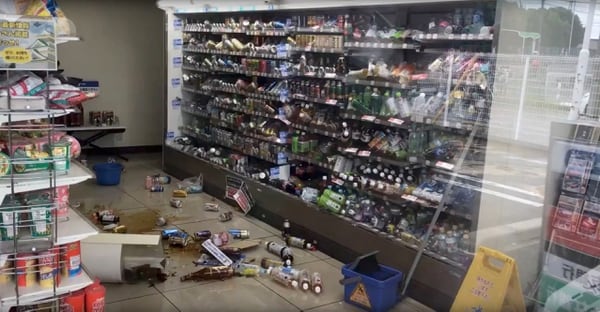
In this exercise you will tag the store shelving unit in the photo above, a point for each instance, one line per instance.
(343, 236)
(42, 231)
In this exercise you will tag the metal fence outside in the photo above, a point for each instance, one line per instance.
(531, 91)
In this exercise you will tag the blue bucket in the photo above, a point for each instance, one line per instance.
(108, 173)
(376, 292)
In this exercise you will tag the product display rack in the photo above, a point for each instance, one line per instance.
(570, 252)
(281, 87)
(36, 227)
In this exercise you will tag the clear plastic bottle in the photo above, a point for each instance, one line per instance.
(281, 277)
(419, 104)
(316, 283)
(402, 106)
(304, 280)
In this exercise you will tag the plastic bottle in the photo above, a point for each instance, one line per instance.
(298, 242)
(419, 104)
(248, 270)
(286, 228)
(402, 105)
(266, 263)
(434, 103)
(376, 102)
(390, 104)
(284, 252)
(317, 285)
(304, 280)
(282, 278)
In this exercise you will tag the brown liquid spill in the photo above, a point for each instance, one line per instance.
(139, 222)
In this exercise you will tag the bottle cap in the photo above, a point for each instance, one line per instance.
(305, 286)
(294, 283)
(317, 289)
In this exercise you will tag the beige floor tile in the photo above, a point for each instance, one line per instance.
(120, 292)
(154, 303)
(337, 264)
(332, 290)
(236, 294)
(336, 306)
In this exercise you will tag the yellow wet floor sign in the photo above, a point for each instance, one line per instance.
(491, 285)
(359, 295)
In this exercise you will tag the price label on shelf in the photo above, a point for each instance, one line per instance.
(177, 61)
(177, 24)
(170, 134)
(412, 198)
(337, 181)
(364, 153)
(177, 43)
(176, 103)
(451, 36)
(284, 120)
(396, 121)
(331, 102)
(368, 118)
(175, 82)
(351, 150)
(413, 159)
(444, 165)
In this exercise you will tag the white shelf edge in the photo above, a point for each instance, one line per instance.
(77, 174)
(35, 293)
(77, 228)
(25, 115)
(65, 39)
(123, 239)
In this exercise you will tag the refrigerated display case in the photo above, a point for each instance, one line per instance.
(364, 126)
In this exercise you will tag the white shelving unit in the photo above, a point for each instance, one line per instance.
(36, 293)
(28, 115)
(34, 181)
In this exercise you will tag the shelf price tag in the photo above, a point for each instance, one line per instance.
(177, 43)
(412, 198)
(177, 61)
(444, 165)
(177, 24)
(351, 150)
(337, 181)
(396, 121)
(176, 103)
(368, 118)
(364, 153)
(331, 102)
(175, 82)
(284, 120)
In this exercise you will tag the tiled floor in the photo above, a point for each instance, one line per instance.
(139, 208)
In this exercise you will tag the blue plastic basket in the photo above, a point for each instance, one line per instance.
(108, 173)
(381, 287)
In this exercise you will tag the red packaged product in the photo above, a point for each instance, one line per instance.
(588, 225)
(74, 302)
(94, 297)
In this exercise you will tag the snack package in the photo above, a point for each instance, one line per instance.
(588, 225)
(577, 173)
(567, 212)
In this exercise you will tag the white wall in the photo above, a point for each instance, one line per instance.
(122, 48)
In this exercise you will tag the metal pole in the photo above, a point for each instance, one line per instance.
(522, 97)
(572, 8)
(582, 65)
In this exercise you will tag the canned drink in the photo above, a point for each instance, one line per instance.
(220, 239)
(48, 267)
(72, 259)
(298, 242)
(25, 267)
(284, 252)
(109, 219)
(246, 269)
(149, 182)
(262, 67)
(206, 234)
(6, 270)
(226, 216)
(176, 203)
(211, 207)
(266, 263)
(157, 188)
(239, 234)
